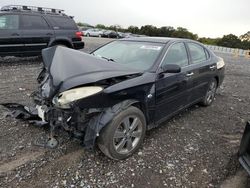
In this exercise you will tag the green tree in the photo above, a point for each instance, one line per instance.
(181, 32)
(231, 41)
(149, 30)
(133, 29)
(115, 27)
(209, 41)
(166, 31)
(245, 44)
(100, 26)
(80, 24)
(245, 37)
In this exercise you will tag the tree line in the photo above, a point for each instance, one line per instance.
(230, 40)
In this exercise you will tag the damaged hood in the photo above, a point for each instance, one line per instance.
(70, 68)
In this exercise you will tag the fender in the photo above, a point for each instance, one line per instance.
(98, 122)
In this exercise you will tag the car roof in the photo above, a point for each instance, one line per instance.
(155, 39)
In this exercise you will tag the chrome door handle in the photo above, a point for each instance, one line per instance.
(212, 67)
(190, 74)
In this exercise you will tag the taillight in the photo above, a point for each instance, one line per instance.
(79, 34)
(220, 63)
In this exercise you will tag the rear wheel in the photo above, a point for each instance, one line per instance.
(62, 45)
(124, 134)
(211, 91)
(59, 44)
(88, 35)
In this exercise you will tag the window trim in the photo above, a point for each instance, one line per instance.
(207, 54)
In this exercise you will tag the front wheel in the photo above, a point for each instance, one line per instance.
(124, 134)
(210, 94)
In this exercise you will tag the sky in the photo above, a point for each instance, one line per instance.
(207, 18)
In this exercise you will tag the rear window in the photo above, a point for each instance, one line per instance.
(60, 22)
(197, 53)
(33, 22)
(9, 22)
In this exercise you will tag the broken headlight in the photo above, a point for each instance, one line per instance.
(65, 98)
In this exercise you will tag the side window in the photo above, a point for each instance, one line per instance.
(197, 53)
(9, 22)
(33, 22)
(61, 22)
(177, 54)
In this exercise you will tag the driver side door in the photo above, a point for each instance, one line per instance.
(172, 89)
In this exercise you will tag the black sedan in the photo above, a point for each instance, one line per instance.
(110, 34)
(116, 93)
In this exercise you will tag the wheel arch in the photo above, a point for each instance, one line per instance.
(98, 122)
(62, 42)
(217, 80)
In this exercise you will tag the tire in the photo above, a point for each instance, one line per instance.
(88, 35)
(129, 126)
(210, 94)
(100, 36)
(59, 44)
(62, 45)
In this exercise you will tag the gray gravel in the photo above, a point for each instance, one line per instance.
(194, 149)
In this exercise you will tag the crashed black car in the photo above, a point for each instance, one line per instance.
(113, 95)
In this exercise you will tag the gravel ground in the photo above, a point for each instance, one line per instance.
(197, 148)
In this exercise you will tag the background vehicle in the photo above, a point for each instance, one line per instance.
(26, 30)
(110, 34)
(116, 93)
(93, 32)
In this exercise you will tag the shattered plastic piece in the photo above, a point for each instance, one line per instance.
(19, 111)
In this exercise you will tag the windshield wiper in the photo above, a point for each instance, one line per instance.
(108, 59)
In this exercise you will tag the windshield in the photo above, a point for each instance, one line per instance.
(133, 54)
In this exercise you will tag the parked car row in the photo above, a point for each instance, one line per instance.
(96, 32)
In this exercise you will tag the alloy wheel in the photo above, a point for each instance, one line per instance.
(127, 135)
(211, 92)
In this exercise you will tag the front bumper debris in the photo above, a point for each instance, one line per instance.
(244, 152)
(19, 111)
(83, 124)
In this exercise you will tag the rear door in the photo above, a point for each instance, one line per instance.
(10, 41)
(172, 89)
(35, 33)
(203, 69)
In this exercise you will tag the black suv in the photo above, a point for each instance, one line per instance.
(26, 30)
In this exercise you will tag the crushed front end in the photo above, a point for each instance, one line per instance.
(71, 95)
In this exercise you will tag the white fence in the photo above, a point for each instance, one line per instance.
(234, 51)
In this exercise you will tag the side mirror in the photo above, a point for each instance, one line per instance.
(171, 68)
